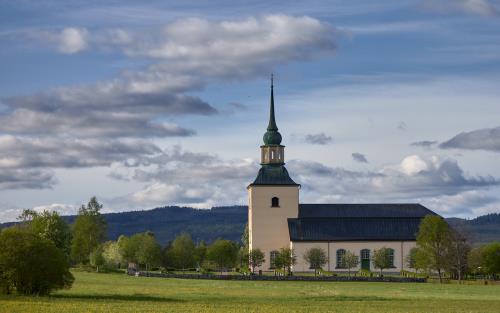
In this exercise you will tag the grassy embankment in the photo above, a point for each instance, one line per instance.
(121, 293)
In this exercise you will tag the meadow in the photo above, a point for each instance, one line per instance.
(93, 292)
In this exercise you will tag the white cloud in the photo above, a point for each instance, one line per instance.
(95, 123)
(476, 7)
(72, 40)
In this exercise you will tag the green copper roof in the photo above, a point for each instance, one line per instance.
(273, 175)
(272, 136)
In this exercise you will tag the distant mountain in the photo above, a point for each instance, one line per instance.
(167, 222)
(482, 229)
(228, 223)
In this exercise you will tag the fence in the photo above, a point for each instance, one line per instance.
(282, 278)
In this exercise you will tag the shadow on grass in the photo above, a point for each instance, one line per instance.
(134, 297)
(360, 298)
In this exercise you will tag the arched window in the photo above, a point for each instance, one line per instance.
(275, 202)
(272, 259)
(340, 258)
(391, 257)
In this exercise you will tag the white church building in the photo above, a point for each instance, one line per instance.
(277, 219)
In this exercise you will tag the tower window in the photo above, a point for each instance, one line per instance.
(275, 202)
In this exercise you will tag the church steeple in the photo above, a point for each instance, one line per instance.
(272, 136)
(272, 154)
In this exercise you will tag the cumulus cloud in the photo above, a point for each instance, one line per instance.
(113, 121)
(318, 139)
(475, 7)
(202, 180)
(424, 143)
(358, 157)
(467, 203)
(481, 139)
(187, 178)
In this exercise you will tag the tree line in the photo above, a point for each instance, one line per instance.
(36, 254)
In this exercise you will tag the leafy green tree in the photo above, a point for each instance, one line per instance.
(30, 264)
(96, 258)
(149, 251)
(475, 260)
(491, 258)
(411, 258)
(200, 253)
(286, 258)
(433, 241)
(350, 260)
(244, 237)
(183, 251)
(222, 253)
(49, 225)
(89, 230)
(382, 259)
(242, 259)
(316, 258)
(111, 254)
(255, 258)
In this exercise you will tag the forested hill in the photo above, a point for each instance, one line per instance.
(228, 223)
(482, 229)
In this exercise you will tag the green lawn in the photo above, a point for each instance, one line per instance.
(121, 293)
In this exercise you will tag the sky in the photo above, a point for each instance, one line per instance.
(165, 103)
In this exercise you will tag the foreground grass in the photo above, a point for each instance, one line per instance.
(121, 293)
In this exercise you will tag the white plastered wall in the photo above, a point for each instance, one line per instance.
(401, 250)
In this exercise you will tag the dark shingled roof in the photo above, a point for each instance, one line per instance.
(273, 175)
(357, 222)
(364, 210)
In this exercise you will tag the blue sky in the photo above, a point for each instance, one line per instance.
(145, 105)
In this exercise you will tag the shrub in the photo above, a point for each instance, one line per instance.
(30, 264)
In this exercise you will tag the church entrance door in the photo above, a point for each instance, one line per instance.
(365, 259)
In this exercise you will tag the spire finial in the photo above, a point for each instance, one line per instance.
(272, 136)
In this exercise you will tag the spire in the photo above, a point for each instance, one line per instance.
(272, 136)
(272, 122)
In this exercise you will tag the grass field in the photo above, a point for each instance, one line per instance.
(121, 293)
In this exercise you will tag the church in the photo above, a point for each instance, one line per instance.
(277, 219)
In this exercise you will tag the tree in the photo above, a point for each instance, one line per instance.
(222, 253)
(50, 226)
(410, 259)
(242, 259)
(350, 260)
(111, 254)
(31, 264)
(491, 258)
(475, 260)
(316, 258)
(433, 242)
(255, 258)
(458, 250)
(148, 251)
(200, 253)
(89, 230)
(96, 258)
(183, 251)
(244, 237)
(286, 258)
(382, 259)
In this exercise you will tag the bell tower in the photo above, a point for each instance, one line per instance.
(273, 197)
